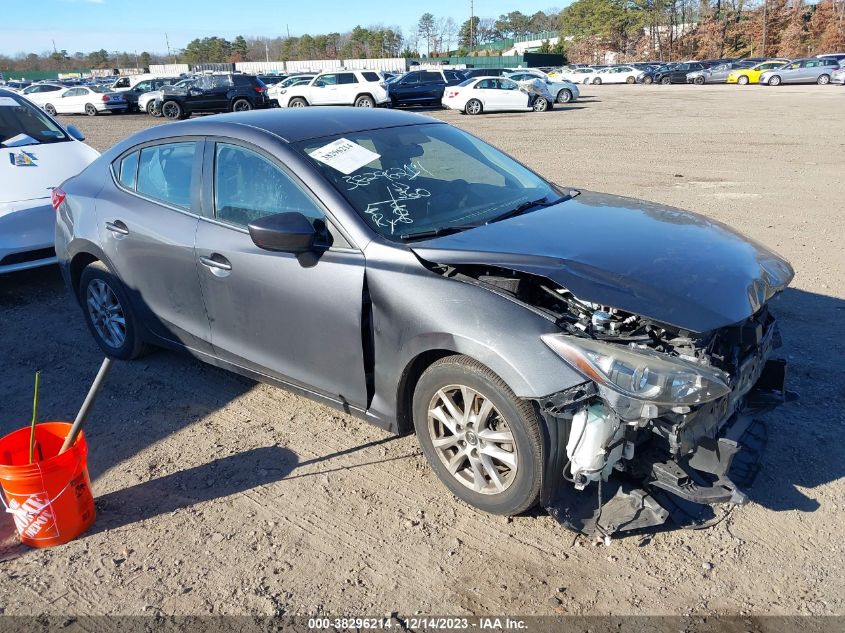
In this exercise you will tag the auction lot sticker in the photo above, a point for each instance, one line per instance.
(344, 155)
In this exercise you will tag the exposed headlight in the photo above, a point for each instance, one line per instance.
(641, 374)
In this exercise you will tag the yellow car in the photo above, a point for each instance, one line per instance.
(743, 76)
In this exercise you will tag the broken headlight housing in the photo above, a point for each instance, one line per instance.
(639, 373)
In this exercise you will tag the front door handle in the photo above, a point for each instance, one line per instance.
(117, 227)
(216, 261)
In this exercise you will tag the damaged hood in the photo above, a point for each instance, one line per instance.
(659, 262)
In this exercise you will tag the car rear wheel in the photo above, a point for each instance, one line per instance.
(541, 104)
(50, 109)
(564, 96)
(823, 80)
(479, 438)
(172, 110)
(742, 81)
(365, 101)
(90, 110)
(241, 105)
(108, 313)
(698, 81)
(597, 81)
(152, 110)
(297, 102)
(473, 106)
(774, 80)
(648, 80)
(666, 81)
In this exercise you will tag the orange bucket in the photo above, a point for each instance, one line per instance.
(50, 499)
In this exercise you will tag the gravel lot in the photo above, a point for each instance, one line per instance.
(219, 495)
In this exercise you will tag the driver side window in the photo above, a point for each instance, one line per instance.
(248, 186)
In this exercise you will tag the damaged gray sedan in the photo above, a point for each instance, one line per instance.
(602, 356)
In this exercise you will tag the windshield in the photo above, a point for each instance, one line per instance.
(21, 123)
(290, 81)
(424, 178)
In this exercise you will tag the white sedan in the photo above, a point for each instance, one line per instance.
(563, 91)
(577, 75)
(615, 75)
(491, 94)
(90, 100)
(38, 154)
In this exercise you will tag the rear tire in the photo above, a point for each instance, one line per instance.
(90, 110)
(823, 80)
(648, 80)
(665, 81)
(473, 106)
(241, 105)
(152, 110)
(109, 314)
(365, 101)
(489, 451)
(50, 109)
(698, 81)
(597, 81)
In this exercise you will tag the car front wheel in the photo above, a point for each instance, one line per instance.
(297, 103)
(172, 110)
(666, 81)
(774, 80)
(152, 110)
(479, 438)
(541, 104)
(564, 96)
(108, 313)
(742, 81)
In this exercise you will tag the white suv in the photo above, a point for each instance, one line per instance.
(361, 88)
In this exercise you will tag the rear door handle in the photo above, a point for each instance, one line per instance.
(117, 227)
(216, 261)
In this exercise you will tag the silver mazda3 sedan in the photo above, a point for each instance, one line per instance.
(599, 355)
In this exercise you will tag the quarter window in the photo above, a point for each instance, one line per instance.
(129, 170)
(247, 187)
(347, 78)
(370, 76)
(165, 171)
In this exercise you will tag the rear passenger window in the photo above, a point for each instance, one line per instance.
(429, 76)
(164, 172)
(129, 170)
(371, 76)
(347, 78)
(247, 187)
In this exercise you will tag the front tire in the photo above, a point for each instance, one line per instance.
(50, 109)
(297, 102)
(152, 110)
(541, 104)
(564, 96)
(479, 438)
(774, 80)
(90, 110)
(742, 81)
(648, 80)
(666, 81)
(698, 81)
(109, 314)
(630, 80)
(473, 106)
(365, 101)
(597, 81)
(172, 111)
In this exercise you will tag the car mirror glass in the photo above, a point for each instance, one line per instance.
(289, 232)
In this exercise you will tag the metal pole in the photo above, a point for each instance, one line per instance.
(765, 25)
(471, 25)
(86, 406)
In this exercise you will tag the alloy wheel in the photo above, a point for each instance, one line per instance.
(106, 313)
(472, 439)
(171, 110)
(473, 107)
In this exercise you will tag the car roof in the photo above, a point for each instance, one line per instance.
(295, 124)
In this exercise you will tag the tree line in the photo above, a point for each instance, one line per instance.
(634, 29)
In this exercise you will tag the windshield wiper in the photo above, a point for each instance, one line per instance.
(443, 230)
(525, 206)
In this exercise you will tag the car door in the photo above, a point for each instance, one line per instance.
(323, 91)
(147, 227)
(432, 85)
(407, 88)
(487, 92)
(679, 73)
(510, 97)
(67, 102)
(348, 88)
(295, 317)
(809, 71)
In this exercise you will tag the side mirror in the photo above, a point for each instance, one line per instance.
(288, 232)
(75, 132)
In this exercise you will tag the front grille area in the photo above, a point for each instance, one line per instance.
(28, 256)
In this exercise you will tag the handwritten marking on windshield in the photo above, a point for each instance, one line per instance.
(410, 171)
(399, 193)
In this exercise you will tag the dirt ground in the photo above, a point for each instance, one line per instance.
(219, 495)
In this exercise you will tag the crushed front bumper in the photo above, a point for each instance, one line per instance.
(685, 490)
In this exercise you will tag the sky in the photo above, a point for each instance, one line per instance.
(138, 25)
